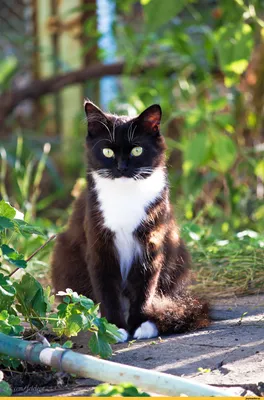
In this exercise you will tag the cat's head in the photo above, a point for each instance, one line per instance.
(119, 146)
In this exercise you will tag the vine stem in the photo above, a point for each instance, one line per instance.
(33, 254)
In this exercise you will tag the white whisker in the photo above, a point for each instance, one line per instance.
(102, 123)
(129, 131)
(108, 140)
(114, 125)
(132, 135)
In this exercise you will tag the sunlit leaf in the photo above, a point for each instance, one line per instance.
(259, 170)
(234, 44)
(6, 210)
(225, 152)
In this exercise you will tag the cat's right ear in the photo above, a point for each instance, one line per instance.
(96, 118)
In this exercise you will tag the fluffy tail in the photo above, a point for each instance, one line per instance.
(179, 314)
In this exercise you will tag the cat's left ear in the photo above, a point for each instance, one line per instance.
(150, 119)
(96, 118)
(91, 110)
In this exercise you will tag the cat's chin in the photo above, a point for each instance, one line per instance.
(124, 179)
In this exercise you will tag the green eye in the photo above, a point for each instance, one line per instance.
(137, 151)
(108, 153)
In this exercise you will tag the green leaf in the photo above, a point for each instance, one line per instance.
(196, 153)
(100, 323)
(25, 228)
(5, 389)
(68, 344)
(225, 152)
(8, 67)
(111, 332)
(31, 298)
(13, 257)
(7, 292)
(3, 315)
(62, 310)
(158, 13)
(86, 303)
(10, 324)
(74, 325)
(234, 54)
(9, 362)
(217, 104)
(99, 345)
(6, 223)
(6, 210)
(259, 170)
(259, 213)
(78, 313)
(121, 390)
(49, 298)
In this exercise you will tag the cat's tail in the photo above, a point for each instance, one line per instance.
(179, 314)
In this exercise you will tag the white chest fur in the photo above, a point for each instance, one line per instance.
(123, 202)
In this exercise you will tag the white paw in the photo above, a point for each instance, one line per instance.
(123, 335)
(146, 330)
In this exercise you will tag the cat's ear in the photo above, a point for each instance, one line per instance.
(150, 119)
(96, 118)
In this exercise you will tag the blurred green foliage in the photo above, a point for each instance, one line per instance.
(211, 119)
(121, 390)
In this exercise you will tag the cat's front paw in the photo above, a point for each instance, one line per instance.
(146, 330)
(123, 335)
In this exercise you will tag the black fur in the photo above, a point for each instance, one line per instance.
(85, 258)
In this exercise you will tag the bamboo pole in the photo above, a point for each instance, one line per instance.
(106, 371)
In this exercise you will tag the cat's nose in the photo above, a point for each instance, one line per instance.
(122, 166)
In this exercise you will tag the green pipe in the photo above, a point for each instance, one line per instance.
(105, 371)
(22, 349)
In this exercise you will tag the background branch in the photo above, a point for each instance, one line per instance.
(9, 100)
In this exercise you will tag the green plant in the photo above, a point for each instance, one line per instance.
(212, 113)
(121, 390)
(242, 317)
(23, 299)
(225, 261)
(77, 313)
(23, 169)
(5, 389)
(204, 370)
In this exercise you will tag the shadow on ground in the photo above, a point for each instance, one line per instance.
(231, 350)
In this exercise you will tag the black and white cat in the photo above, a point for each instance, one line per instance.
(122, 247)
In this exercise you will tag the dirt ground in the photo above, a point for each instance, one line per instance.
(228, 354)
